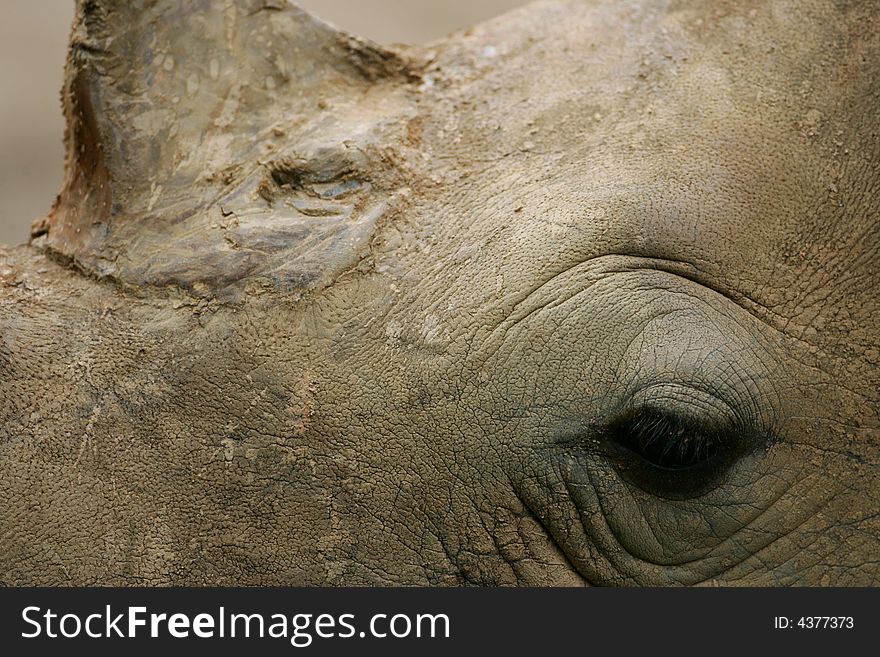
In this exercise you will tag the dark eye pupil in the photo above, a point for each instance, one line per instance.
(665, 440)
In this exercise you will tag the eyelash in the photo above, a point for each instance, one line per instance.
(667, 453)
(666, 440)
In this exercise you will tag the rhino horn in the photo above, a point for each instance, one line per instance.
(182, 120)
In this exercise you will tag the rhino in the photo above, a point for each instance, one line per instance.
(583, 295)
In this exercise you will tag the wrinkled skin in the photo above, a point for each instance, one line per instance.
(576, 215)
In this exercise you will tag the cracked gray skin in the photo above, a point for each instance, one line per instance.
(310, 311)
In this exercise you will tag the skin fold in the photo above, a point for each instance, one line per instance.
(308, 311)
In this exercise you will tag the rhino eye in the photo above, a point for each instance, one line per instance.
(665, 441)
(668, 454)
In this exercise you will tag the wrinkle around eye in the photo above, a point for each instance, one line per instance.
(566, 284)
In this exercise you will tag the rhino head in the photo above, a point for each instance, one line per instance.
(583, 295)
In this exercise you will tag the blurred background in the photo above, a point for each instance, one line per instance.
(33, 42)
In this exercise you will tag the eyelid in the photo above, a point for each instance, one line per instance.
(738, 430)
(691, 400)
